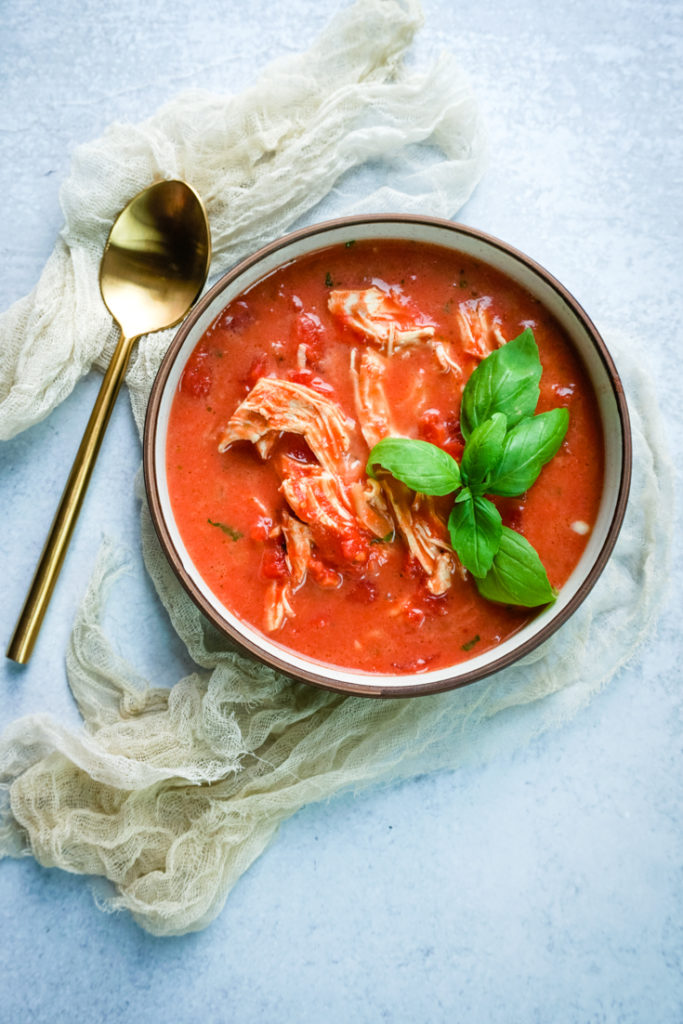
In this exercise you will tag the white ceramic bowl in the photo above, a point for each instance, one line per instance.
(582, 335)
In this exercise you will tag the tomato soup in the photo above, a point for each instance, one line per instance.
(269, 435)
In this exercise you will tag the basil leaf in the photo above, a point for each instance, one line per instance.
(526, 449)
(517, 575)
(506, 382)
(475, 527)
(419, 464)
(483, 450)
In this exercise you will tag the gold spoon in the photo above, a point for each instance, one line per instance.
(153, 268)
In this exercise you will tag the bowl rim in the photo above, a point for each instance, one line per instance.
(316, 675)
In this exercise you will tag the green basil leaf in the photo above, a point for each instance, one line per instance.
(517, 575)
(506, 382)
(419, 464)
(483, 450)
(475, 527)
(526, 449)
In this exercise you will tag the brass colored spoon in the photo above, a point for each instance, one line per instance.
(153, 268)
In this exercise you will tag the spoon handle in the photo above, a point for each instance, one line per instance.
(52, 557)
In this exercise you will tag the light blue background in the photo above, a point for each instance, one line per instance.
(543, 887)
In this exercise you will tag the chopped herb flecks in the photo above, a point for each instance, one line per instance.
(350, 243)
(230, 531)
(470, 643)
(329, 283)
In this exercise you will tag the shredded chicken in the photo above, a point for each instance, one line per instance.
(278, 606)
(424, 532)
(275, 406)
(446, 359)
(368, 503)
(372, 408)
(384, 318)
(479, 331)
(421, 528)
(333, 512)
(318, 498)
(298, 549)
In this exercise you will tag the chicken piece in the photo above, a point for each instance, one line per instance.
(301, 562)
(318, 498)
(479, 331)
(372, 408)
(446, 359)
(278, 607)
(298, 555)
(367, 501)
(298, 549)
(275, 406)
(424, 533)
(385, 318)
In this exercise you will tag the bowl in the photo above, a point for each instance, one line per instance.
(583, 338)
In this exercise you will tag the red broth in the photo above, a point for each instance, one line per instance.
(375, 614)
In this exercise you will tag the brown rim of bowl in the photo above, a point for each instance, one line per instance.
(316, 676)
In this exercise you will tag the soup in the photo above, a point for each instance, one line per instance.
(270, 429)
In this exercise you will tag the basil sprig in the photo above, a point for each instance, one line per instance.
(506, 447)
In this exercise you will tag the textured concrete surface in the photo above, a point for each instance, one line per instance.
(543, 887)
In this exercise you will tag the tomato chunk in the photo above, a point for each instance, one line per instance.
(308, 331)
(445, 433)
(274, 563)
(197, 376)
(315, 383)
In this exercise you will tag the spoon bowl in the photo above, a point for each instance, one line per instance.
(156, 258)
(153, 268)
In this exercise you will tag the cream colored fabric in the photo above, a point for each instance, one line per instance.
(171, 793)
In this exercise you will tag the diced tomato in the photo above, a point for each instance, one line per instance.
(415, 615)
(260, 367)
(261, 529)
(444, 433)
(274, 563)
(309, 331)
(234, 317)
(197, 376)
(325, 577)
(411, 568)
(355, 548)
(343, 548)
(315, 383)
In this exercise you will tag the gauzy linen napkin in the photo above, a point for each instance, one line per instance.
(171, 793)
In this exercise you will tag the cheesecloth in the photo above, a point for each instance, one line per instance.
(170, 794)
